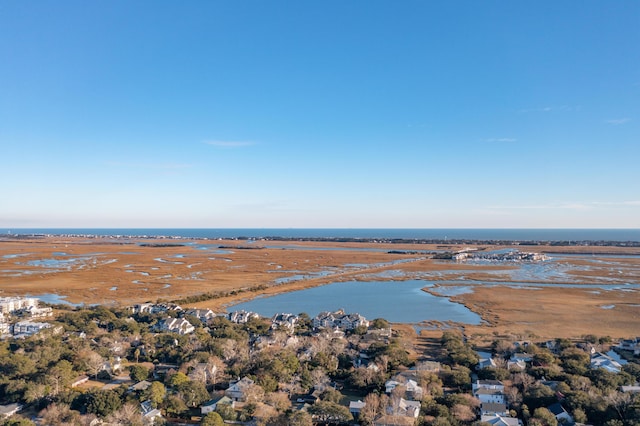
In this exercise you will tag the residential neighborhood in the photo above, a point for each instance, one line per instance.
(157, 363)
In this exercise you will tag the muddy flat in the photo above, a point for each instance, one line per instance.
(580, 290)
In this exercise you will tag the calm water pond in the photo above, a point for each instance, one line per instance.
(396, 301)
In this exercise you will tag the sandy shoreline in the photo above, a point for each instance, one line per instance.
(123, 272)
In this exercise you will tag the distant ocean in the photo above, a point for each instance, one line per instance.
(374, 233)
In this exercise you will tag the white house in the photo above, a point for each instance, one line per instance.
(355, 407)
(560, 413)
(29, 328)
(284, 321)
(241, 317)
(490, 409)
(9, 410)
(600, 360)
(488, 384)
(409, 408)
(212, 404)
(203, 315)
(149, 414)
(498, 420)
(339, 319)
(175, 325)
(203, 372)
(11, 304)
(237, 390)
(489, 391)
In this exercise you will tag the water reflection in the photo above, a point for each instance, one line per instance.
(397, 301)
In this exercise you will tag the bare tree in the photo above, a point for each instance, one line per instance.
(59, 415)
(128, 414)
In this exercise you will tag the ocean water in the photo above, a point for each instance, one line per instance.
(365, 233)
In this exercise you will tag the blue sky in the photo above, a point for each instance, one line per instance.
(412, 114)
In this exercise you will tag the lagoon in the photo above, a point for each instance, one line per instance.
(396, 301)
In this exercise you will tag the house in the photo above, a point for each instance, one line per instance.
(149, 414)
(340, 320)
(11, 304)
(488, 384)
(154, 308)
(521, 357)
(237, 390)
(284, 321)
(390, 385)
(352, 321)
(432, 366)
(492, 409)
(175, 325)
(36, 312)
(140, 386)
(629, 344)
(355, 407)
(490, 395)
(242, 317)
(212, 404)
(204, 315)
(519, 365)
(203, 372)
(489, 391)
(5, 327)
(499, 420)
(600, 360)
(28, 328)
(79, 380)
(630, 389)
(485, 362)
(560, 413)
(9, 410)
(408, 408)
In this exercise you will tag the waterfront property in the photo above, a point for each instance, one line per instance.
(397, 301)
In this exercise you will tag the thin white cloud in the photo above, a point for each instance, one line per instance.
(567, 206)
(230, 144)
(157, 166)
(501, 140)
(618, 121)
(617, 203)
(551, 108)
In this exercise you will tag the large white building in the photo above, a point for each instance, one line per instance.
(28, 328)
(11, 304)
(339, 319)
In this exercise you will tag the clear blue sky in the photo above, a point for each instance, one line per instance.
(418, 114)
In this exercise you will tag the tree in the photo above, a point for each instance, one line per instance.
(325, 411)
(212, 419)
(278, 400)
(156, 393)
(331, 395)
(18, 421)
(178, 379)
(226, 411)
(60, 375)
(91, 362)
(380, 323)
(138, 372)
(193, 393)
(59, 415)
(127, 415)
(299, 418)
(103, 403)
(175, 406)
(374, 405)
(544, 417)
